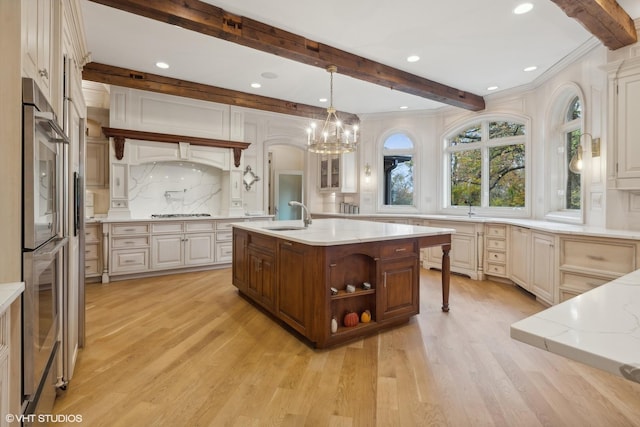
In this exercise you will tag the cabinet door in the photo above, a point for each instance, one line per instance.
(544, 265)
(37, 19)
(292, 307)
(96, 170)
(628, 127)
(399, 293)
(241, 263)
(519, 256)
(324, 173)
(261, 278)
(167, 251)
(199, 249)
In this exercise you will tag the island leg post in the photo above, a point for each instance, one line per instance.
(446, 273)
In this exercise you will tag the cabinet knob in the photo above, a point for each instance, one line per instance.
(44, 73)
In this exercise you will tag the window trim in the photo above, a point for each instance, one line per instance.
(556, 138)
(444, 199)
(414, 152)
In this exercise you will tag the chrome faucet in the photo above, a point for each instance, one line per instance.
(307, 219)
(469, 202)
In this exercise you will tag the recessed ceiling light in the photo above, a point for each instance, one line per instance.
(322, 100)
(256, 85)
(413, 58)
(532, 68)
(492, 88)
(403, 107)
(269, 75)
(523, 8)
(162, 65)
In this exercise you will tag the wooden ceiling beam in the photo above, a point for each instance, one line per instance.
(124, 77)
(216, 22)
(605, 19)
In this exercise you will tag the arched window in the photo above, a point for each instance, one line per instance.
(562, 170)
(398, 162)
(486, 165)
(572, 132)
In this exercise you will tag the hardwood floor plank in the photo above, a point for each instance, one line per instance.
(187, 350)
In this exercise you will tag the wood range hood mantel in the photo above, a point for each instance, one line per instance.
(120, 135)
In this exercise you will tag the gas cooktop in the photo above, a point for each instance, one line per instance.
(179, 215)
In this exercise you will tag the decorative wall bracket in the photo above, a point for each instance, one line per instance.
(120, 135)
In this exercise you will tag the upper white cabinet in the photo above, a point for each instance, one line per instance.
(97, 163)
(624, 88)
(37, 42)
(338, 173)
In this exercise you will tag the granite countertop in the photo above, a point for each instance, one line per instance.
(9, 292)
(600, 328)
(338, 231)
(540, 225)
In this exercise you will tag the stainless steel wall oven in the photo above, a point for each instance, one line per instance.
(43, 248)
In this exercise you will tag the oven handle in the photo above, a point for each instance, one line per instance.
(50, 254)
(55, 127)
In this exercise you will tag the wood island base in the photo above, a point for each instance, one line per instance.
(306, 286)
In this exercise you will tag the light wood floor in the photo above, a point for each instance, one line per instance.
(186, 350)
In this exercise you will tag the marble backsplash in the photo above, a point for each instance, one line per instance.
(174, 188)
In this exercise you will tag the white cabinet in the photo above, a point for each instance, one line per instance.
(337, 172)
(543, 266)
(588, 262)
(37, 43)
(194, 244)
(519, 248)
(92, 250)
(625, 90)
(464, 248)
(496, 260)
(97, 163)
(129, 248)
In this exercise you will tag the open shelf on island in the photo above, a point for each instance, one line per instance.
(344, 294)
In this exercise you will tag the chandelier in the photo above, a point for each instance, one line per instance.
(333, 138)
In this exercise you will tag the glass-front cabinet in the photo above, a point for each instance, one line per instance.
(337, 172)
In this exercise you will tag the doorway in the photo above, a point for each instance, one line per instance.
(288, 186)
(286, 165)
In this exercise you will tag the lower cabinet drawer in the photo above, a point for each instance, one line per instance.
(129, 242)
(91, 266)
(604, 256)
(224, 252)
(496, 269)
(579, 283)
(91, 251)
(129, 261)
(223, 236)
(499, 244)
(496, 257)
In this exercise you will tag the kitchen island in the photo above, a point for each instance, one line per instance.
(320, 280)
(598, 328)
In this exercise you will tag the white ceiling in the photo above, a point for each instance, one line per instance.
(466, 44)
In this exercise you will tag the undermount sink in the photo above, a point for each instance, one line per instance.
(284, 228)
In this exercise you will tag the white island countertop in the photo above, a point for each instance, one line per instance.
(600, 328)
(337, 231)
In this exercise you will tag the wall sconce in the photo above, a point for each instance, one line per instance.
(576, 164)
(367, 172)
